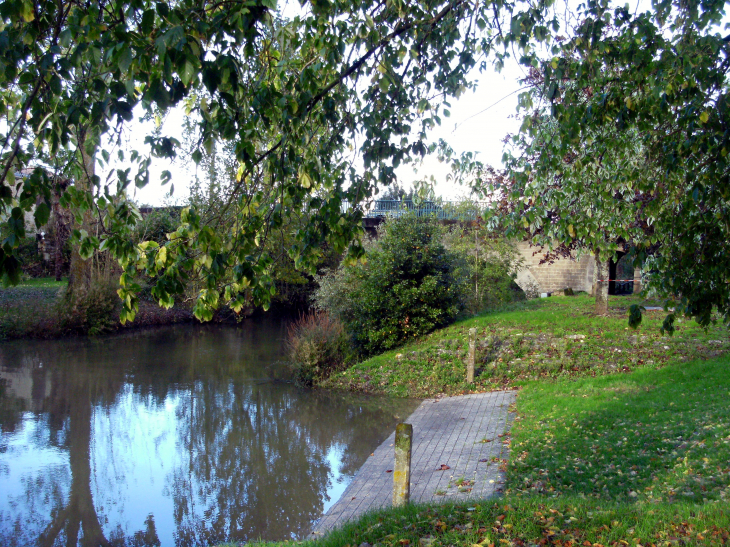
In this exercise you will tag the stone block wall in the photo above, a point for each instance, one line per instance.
(575, 273)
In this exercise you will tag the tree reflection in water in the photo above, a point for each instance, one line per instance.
(184, 435)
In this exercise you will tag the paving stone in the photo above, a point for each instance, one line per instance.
(440, 436)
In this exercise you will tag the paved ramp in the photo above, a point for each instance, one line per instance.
(465, 433)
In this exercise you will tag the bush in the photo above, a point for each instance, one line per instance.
(487, 267)
(318, 346)
(405, 288)
(157, 223)
(94, 312)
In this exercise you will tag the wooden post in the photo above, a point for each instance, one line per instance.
(472, 355)
(402, 472)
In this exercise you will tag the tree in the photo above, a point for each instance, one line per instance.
(631, 143)
(487, 264)
(586, 200)
(293, 95)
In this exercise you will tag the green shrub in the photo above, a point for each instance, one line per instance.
(94, 312)
(318, 346)
(157, 223)
(405, 288)
(487, 267)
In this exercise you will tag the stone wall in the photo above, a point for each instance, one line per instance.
(534, 278)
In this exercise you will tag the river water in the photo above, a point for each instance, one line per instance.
(185, 435)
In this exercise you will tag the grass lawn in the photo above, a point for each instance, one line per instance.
(28, 306)
(551, 338)
(628, 459)
(43, 282)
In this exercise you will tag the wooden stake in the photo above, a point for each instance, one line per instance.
(470, 360)
(402, 472)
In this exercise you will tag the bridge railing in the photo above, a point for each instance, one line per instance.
(442, 210)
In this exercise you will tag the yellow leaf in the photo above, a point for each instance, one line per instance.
(704, 116)
(554, 63)
(26, 12)
(571, 231)
(161, 257)
(304, 179)
(525, 223)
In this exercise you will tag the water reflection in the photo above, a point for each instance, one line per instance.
(184, 435)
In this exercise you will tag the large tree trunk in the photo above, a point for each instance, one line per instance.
(60, 226)
(600, 289)
(79, 276)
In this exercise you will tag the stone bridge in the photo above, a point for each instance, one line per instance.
(578, 274)
(534, 278)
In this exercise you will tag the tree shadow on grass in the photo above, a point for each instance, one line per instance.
(655, 435)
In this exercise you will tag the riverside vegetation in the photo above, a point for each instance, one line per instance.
(418, 275)
(621, 435)
(41, 307)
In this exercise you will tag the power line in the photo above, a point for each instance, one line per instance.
(490, 106)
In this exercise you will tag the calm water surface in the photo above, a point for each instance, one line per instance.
(182, 436)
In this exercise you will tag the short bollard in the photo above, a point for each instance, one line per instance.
(402, 472)
(472, 355)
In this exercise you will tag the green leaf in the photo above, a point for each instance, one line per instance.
(668, 325)
(26, 11)
(635, 315)
(148, 21)
(42, 214)
(161, 257)
(125, 60)
(188, 73)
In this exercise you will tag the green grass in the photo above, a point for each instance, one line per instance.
(654, 436)
(550, 338)
(28, 308)
(42, 282)
(632, 459)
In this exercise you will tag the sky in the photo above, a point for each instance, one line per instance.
(479, 121)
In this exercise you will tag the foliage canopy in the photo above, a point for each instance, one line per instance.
(301, 98)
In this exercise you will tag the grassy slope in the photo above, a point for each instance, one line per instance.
(530, 342)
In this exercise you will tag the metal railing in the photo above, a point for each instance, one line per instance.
(442, 210)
